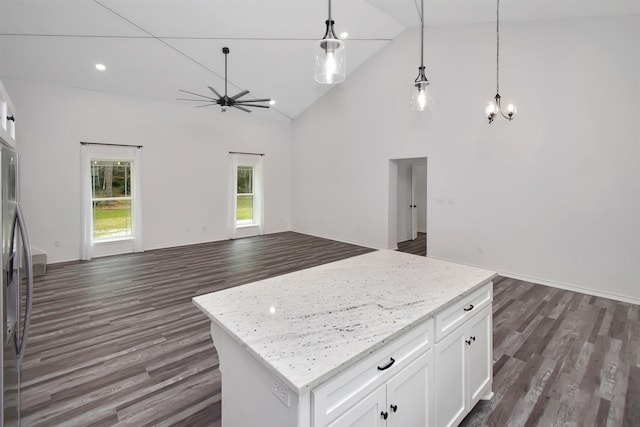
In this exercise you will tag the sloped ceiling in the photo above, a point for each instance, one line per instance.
(153, 48)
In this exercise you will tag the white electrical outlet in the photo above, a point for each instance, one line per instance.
(281, 392)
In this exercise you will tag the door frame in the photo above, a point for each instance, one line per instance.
(396, 213)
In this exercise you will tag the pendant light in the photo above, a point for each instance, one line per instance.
(330, 58)
(493, 107)
(421, 89)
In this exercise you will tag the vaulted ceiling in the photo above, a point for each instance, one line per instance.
(153, 48)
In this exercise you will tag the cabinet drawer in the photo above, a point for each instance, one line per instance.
(332, 398)
(451, 317)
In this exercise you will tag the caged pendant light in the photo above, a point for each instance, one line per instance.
(330, 56)
(493, 107)
(421, 89)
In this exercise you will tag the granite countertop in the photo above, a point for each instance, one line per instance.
(309, 325)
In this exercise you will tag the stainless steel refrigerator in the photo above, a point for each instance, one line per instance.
(17, 287)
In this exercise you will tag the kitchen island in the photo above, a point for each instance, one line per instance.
(380, 339)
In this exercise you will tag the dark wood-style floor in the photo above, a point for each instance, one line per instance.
(117, 341)
(416, 247)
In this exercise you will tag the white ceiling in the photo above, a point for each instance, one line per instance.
(153, 48)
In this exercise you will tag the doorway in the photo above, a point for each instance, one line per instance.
(408, 205)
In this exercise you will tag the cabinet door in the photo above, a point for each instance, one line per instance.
(365, 413)
(450, 378)
(409, 393)
(479, 353)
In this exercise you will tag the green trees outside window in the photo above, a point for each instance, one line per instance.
(111, 199)
(244, 195)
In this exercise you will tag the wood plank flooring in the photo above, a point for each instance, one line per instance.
(416, 247)
(117, 341)
(561, 358)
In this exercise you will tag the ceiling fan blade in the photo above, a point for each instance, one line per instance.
(241, 108)
(196, 94)
(214, 91)
(239, 95)
(253, 105)
(205, 105)
(198, 100)
(255, 100)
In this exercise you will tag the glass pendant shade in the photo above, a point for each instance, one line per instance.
(421, 98)
(330, 61)
(491, 110)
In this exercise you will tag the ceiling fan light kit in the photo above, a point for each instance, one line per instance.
(330, 56)
(421, 89)
(494, 106)
(225, 101)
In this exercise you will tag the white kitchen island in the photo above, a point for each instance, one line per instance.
(382, 339)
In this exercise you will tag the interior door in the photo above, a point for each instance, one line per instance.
(414, 203)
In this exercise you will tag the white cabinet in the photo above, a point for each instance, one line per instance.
(430, 372)
(479, 357)
(392, 385)
(412, 382)
(464, 376)
(409, 394)
(7, 118)
(365, 413)
(403, 401)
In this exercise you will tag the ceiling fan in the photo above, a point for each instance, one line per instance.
(227, 101)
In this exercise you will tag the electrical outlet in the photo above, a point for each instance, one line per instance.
(281, 392)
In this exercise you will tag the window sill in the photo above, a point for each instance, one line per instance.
(246, 225)
(112, 240)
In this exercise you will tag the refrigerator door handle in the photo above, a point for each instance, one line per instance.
(26, 248)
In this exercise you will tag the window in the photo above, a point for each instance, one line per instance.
(111, 185)
(244, 196)
(111, 199)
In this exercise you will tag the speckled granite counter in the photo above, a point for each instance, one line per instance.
(309, 325)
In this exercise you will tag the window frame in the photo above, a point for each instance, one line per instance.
(112, 152)
(252, 221)
(246, 228)
(130, 198)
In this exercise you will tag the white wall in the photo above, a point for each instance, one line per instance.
(553, 196)
(185, 164)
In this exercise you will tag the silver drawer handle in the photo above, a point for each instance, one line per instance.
(469, 308)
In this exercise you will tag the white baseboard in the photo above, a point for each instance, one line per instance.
(574, 288)
(61, 260)
(555, 284)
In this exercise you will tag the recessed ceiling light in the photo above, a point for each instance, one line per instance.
(101, 67)
(344, 35)
(272, 102)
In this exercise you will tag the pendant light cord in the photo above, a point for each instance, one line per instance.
(498, 47)
(422, 33)
(421, 15)
(329, 19)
